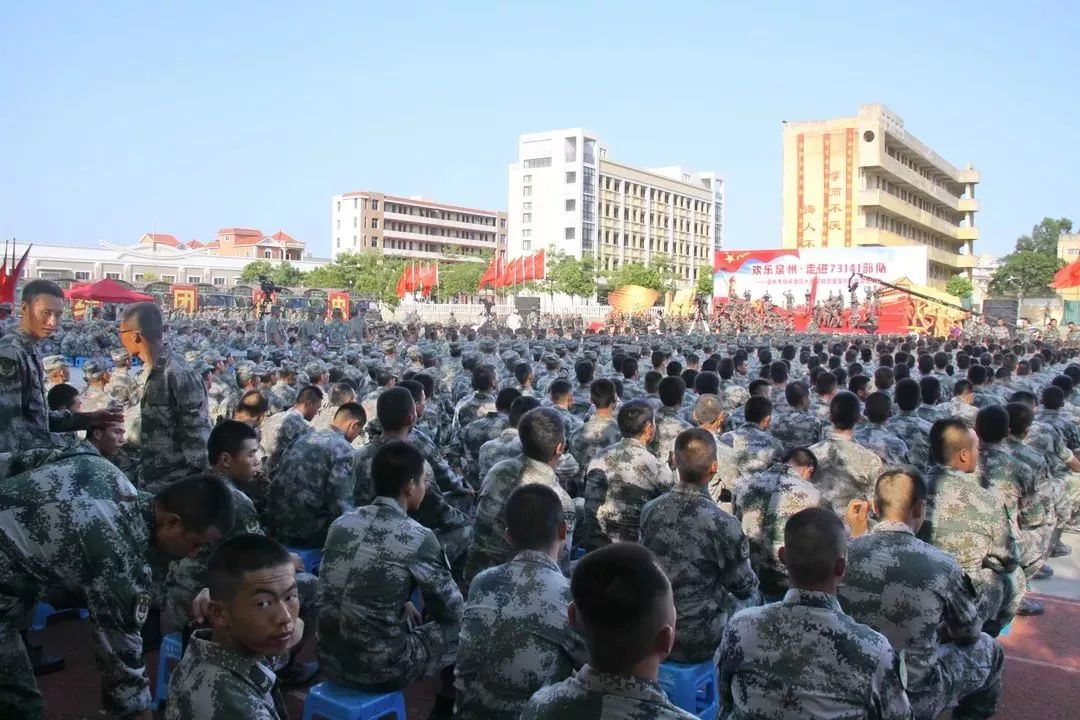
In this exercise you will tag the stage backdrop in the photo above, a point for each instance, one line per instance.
(776, 271)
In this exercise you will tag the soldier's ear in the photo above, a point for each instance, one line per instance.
(572, 616)
(218, 614)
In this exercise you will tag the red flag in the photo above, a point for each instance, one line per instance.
(492, 274)
(539, 268)
(427, 278)
(511, 273)
(8, 281)
(407, 282)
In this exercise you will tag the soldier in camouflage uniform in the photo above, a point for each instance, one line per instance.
(669, 421)
(794, 425)
(622, 478)
(222, 396)
(702, 549)
(94, 396)
(907, 589)
(771, 659)
(397, 413)
(515, 636)
(625, 647)
(283, 392)
(967, 519)
(370, 637)
(340, 393)
(908, 426)
(560, 396)
(76, 524)
(708, 413)
(24, 414)
(763, 503)
(846, 470)
(755, 449)
(600, 431)
(314, 482)
(542, 442)
(875, 437)
(56, 371)
(961, 405)
(174, 421)
(483, 429)
(481, 402)
(226, 672)
(122, 386)
(281, 430)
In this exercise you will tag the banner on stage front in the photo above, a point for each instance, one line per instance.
(775, 272)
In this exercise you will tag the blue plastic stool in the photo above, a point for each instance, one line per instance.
(80, 361)
(43, 611)
(312, 558)
(577, 553)
(334, 702)
(692, 687)
(171, 649)
(1005, 630)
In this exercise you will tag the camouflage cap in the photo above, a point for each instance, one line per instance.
(412, 352)
(192, 356)
(314, 369)
(428, 354)
(488, 344)
(119, 355)
(53, 362)
(245, 371)
(93, 369)
(388, 346)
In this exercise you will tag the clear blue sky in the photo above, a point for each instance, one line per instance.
(119, 117)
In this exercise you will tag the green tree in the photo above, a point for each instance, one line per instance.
(657, 275)
(959, 286)
(458, 278)
(368, 273)
(1044, 236)
(704, 284)
(253, 270)
(570, 276)
(1026, 273)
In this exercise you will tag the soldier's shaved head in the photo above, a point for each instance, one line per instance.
(815, 543)
(708, 410)
(897, 493)
(948, 438)
(145, 317)
(695, 456)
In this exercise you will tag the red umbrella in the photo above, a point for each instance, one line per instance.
(107, 291)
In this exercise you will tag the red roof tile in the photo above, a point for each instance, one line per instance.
(160, 238)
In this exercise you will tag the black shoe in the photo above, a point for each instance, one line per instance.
(1030, 608)
(1060, 549)
(1044, 572)
(44, 664)
(298, 674)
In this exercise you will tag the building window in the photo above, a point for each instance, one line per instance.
(526, 217)
(526, 244)
(526, 178)
(571, 177)
(502, 222)
(571, 205)
(570, 149)
(375, 223)
(337, 242)
(526, 191)
(338, 207)
(526, 206)
(138, 277)
(354, 203)
(218, 280)
(571, 233)
(374, 241)
(526, 233)
(82, 275)
(194, 279)
(112, 276)
(168, 278)
(374, 204)
(354, 221)
(538, 163)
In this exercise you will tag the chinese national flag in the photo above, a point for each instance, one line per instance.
(511, 274)
(407, 282)
(427, 278)
(492, 274)
(534, 267)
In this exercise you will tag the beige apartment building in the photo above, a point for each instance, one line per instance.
(566, 193)
(414, 228)
(867, 181)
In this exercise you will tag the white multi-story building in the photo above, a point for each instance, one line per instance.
(565, 193)
(414, 228)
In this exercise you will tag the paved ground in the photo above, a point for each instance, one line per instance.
(1042, 670)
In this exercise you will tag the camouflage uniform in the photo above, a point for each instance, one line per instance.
(618, 483)
(732, 394)
(222, 398)
(450, 526)
(772, 664)
(175, 424)
(883, 443)
(24, 414)
(929, 413)
(668, 426)
(915, 432)
(78, 525)
(755, 449)
(905, 588)
(969, 522)
(727, 472)
(94, 398)
(956, 408)
(313, 486)
(489, 544)
(704, 553)
(796, 428)
(480, 404)
(590, 694)
(215, 682)
(374, 558)
(474, 435)
(1015, 480)
(515, 637)
(846, 471)
(504, 447)
(123, 387)
(277, 433)
(596, 434)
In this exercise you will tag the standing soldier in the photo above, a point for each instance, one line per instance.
(173, 408)
(24, 415)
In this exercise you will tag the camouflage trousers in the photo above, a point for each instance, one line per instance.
(999, 594)
(1067, 504)
(969, 680)
(19, 694)
(427, 651)
(1034, 547)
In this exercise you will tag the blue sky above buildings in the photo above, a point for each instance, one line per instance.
(117, 118)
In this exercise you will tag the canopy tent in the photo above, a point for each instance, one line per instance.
(106, 291)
